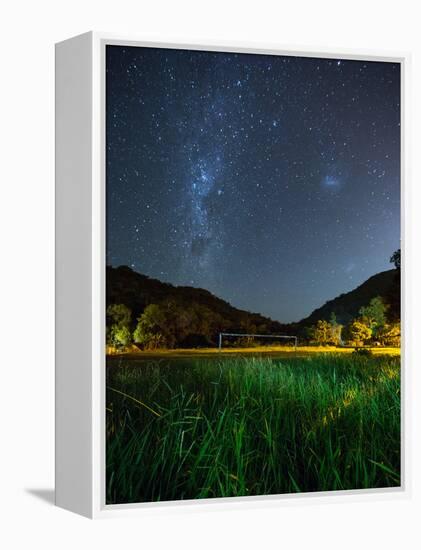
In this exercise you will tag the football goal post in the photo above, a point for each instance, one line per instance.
(242, 335)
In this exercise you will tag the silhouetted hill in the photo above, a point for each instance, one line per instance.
(136, 291)
(346, 306)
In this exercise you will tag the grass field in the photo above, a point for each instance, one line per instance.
(184, 426)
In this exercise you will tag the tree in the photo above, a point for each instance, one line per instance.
(321, 333)
(120, 336)
(175, 323)
(374, 315)
(395, 258)
(118, 326)
(153, 329)
(357, 332)
(394, 294)
(390, 335)
(205, 322)
(119, 314)
(326, 333)
(335, 330)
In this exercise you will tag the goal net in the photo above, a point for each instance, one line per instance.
(245, 340)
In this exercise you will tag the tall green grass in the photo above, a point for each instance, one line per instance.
(251, 426)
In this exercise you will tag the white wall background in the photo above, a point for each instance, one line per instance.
(28, 32)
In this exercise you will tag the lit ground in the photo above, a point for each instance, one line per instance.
(271, 351)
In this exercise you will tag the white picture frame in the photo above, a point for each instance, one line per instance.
(80, 278)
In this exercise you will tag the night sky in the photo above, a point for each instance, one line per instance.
(271, 181)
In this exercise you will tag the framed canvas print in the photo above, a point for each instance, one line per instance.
(229, 243)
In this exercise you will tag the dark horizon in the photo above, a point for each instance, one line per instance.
(271, 181)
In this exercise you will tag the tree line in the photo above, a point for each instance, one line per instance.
(173, 323)
(370, 327)
(170, 324)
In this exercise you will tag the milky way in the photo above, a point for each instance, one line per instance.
(271, 181)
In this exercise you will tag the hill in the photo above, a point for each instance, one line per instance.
(346, 306)
(136, 291)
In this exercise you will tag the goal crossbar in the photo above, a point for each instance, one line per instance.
(222, 334)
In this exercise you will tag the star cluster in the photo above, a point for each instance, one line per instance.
(271, 181)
